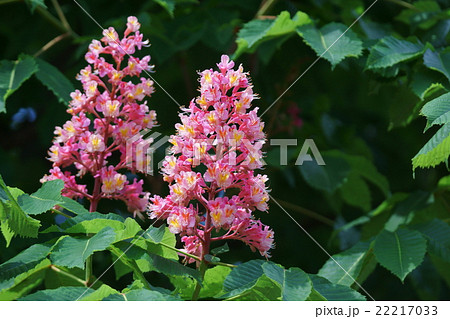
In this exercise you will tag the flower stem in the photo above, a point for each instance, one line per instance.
(206, 244)
(198, 286)
(92, 208)
(140, 274)
(67, 274)
(88, 274)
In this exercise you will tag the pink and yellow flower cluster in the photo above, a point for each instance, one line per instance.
(211, 168)
(105, 114)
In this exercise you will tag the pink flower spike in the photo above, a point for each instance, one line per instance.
(215, 152)
(105, 114)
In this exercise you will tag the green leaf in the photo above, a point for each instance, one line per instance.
(328, 177)
(435, 151)
(390, 51)
(250, 280)
(24, 261)
(14, 220)
(243, 278)
(25, 282)
(212, 283)
(294, 283)
(59, 294)
(334, 292)
(158, 238)
(437, 111)
(332, 42)
(43, 199)
(351, 260)
(100, 294)
(355, 192)
(13, 74)
(315, 296)
(72, 252)
(55, 81)
(438, 61)
(426, 84)
(73, 206)
(406, 209)
(400, 252)
(142, 295)
(255, 32)
(437, 233)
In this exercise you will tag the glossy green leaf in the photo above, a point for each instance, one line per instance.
(400, 252)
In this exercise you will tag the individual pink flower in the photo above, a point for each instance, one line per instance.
(214, 191)
(105, 114)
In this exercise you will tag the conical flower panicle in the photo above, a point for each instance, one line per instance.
(211, 168)
(108, 111)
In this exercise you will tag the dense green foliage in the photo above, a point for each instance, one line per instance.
(376, 103)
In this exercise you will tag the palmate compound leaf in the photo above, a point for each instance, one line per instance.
(401, 251)
(435, 151)
(389, 51)
(13, 74)
(14, 221)
(72, 252)
(351, 260)
(332, 42)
